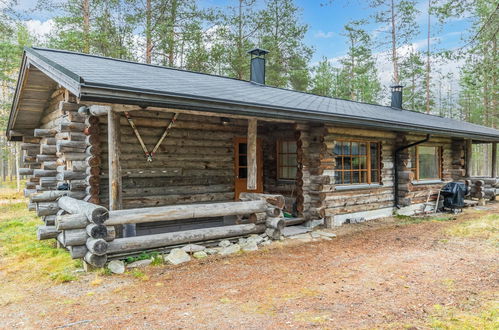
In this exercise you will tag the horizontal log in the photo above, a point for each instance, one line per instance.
(67, 145)
(276, 200)
(71, 221)
(30, 146)
(28, 192)
(178, 212)
(53, 195)
(95, 260)
(44, 132)
(258, 217)
(138, 243)
(72, 156)
(276, 223)
(73, 136)
(49, 220)
(25, 171)
(94, 213)
(46, 158)
(46, 208)
(74, 237)
(70, 175)
(77, 251)
(31, 139)
(46, 232)
(44, 173)
(49, 165)
(29, 159)
(69, 126)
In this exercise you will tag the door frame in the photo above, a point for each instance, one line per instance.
(259, 164)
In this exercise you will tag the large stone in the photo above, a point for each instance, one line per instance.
(231, 249)
(200, 255)
(139, 263)
(224, 243)
(249, 246)
(177, 256)
(257, 239)
(191, 248)
(116, 266)
(211, 251)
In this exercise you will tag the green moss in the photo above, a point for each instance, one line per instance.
(487, 317)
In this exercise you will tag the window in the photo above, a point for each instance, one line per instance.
(426, 162)
(357, 162)
(286, 160)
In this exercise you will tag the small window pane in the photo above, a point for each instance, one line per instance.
(347, 163)
(292, 172)
(374, 156)
(243, 173)
(347, 178)
(363, 163)
(337, 177)
(374, 176)
(356, 177)
(339, 163)
(292, 147)
(337, 148)
(355, 148)
(287, 160)
(363, 149)
(346, 148)
(243, 148)
(243, 161)
(428, 162)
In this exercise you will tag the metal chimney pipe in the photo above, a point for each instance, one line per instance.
(257, 71)
(397, 96)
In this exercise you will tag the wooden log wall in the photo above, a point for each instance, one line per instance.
(195, 163)
(368, 198)
(314, 172)
(65, 157)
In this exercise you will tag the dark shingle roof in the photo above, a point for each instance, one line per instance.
(112, 74)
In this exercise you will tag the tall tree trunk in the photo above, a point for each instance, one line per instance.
(18, 163)
(396, 79)
(86, 25)
(428, 60)
(239, 70)
(148, 32)
(171, 42)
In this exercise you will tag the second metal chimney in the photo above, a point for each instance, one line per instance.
(397, 96)
(257, 70)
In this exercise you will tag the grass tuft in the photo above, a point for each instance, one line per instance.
(406, 219)
(22, 255)
(485, 227)
(447, 318)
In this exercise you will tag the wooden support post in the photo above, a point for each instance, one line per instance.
(494, 160)
(469, 151)
(115, 181)
(252, 150)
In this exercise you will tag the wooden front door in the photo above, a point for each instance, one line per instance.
(241, 166)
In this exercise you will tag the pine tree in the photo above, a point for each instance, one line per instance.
(324, 80)
(282, 35)
(359, 74)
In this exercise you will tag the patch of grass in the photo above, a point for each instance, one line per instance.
(486, 318)
(22, 255)
(485, 227)
(406, 219)
(137, 273)
(142, 256)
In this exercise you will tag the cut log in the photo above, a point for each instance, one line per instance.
(178, 212)
(78, 185)
(276, 223)
(46, 158)
(49, 208)
(44, 132)
(257, 218)
(97, 246)
(46, 149)
(46, 232)
(70, 175)
(273, 212)
(69, 126)
(94, 213)
(96, 231)
(49, 220)
(95, 260)
(73, 156)
(74, 237)
(26, 171)
(273, 233)
(28, 192)
(77, 251)
(44, 173)
(49, 165)
(138, 243)
(71, 221)
(276, 200)
(93, 161)
(71, 146)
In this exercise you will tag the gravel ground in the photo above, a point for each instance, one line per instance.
(379, 274)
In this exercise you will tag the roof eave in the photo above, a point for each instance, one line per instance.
(115, 95)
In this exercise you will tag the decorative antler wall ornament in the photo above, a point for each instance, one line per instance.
(150, 155)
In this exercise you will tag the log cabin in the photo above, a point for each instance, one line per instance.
(122, 156)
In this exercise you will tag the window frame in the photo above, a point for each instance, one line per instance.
(368, 163)
(278, 153)
(415, 163)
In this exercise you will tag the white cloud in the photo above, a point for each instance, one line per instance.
(324, 35)
(40, 29)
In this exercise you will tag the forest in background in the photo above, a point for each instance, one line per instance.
(184, 34)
